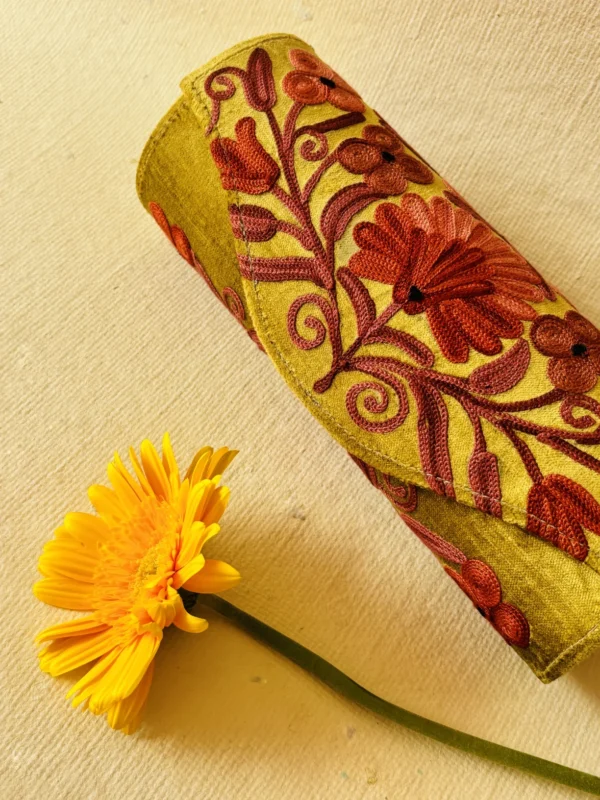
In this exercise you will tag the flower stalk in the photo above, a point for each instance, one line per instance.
(346, 687)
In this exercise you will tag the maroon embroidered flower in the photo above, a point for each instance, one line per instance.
(574, 346)
(380, 156)
(313, 83)
(457, 199)
(244, 163)
(558, 510)
(472, 286)
(480, 583)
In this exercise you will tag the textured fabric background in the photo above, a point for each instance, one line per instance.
(107, 338)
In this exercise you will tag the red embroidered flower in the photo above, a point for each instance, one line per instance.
(380, 156)
(244, 164)
(558, 509)
(574, 346)
(173, 233)
(480, 583)
(313, 83)
(473, 287)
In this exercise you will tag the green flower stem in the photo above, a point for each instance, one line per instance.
(341, 683)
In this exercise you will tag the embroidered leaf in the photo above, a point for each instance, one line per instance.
(364, 307)
(485, 482)
(418, 351)
(342, 207)
(434, 541)
(432, 431)
(504, 372)
(288, 268)
(259, 83)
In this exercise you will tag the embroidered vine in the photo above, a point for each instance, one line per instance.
(442, 261)
(479, 582)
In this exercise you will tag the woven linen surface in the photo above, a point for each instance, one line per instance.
(106, 338)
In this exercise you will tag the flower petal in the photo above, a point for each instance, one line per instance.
(304, 88)
(105, 501)
(387, 179)
(194, 541)
(214, 577)
(86, 528)
(572, 374)
(188, 571)
(155, 472)
(359, 157)
(64, 655)
(123, 489)
(216, 506)
(126, 714)
(552, 336)
(125, 673)
(65, 593)
(74, 627)
(202, 456)
(345, 99)
(220, 460)
(58, 560)
(86, 685)
(302, 59)
(169, 463)
(187, 622)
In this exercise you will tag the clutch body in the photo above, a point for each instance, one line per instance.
(463, 385)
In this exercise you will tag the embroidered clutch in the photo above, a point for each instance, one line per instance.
(462, 384)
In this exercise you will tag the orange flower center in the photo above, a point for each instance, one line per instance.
(138, 561)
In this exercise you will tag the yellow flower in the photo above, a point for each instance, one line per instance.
(125, 566)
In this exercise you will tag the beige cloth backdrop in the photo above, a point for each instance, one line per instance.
(108, 337)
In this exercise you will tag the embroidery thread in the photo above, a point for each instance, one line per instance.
(441, 260)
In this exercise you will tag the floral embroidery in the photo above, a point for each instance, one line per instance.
(313, 83)
(245, 164)
(380, 156)
(441, 261)
(252, 223)
(174, 234)
(402, 495)
(574, 346)
(231, 299)
(480, 583)
(557, 511)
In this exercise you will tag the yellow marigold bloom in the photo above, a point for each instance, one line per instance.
(125, 566)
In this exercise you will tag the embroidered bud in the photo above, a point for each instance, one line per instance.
(244, 164)
(259, 84)
(252, 223)
(511, 624)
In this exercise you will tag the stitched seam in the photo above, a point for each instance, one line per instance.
(343, 432)
(142, 174)
(561, 656)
